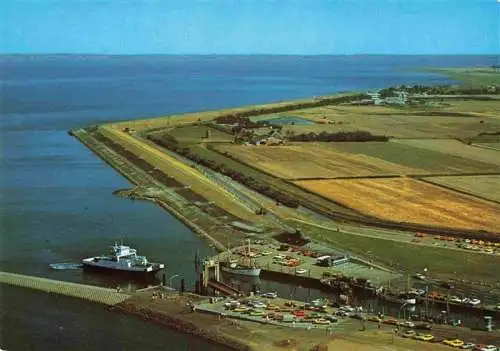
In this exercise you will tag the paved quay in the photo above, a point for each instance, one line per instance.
(85, 292)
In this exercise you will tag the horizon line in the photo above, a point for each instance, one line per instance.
(243, 54)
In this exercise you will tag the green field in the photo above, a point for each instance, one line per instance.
(407, 123)
(428, 161)
(197, 134)
(444, 263)
(483, 186)
(454, 148)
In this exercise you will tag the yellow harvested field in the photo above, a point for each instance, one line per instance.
(408, 200)
(312, 160)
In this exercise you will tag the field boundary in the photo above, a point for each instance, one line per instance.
(463, 192)
(361, 218)
(485, 147)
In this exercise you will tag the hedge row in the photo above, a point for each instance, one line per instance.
(340, 136)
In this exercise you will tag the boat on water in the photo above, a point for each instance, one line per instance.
(402, 298)
(245, 266)
(124, 259)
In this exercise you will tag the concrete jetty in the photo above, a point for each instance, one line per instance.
(85, 292)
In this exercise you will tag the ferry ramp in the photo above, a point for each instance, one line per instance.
(224, 288)
(85, 292)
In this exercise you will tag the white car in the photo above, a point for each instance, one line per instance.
(232, 303)
(408, 324)
(279, 257)
(266, 252)
(270, 295)
(468, 346)
(419, 276)
(489, 348)
(301, 271)
(456, 299)
(258, 304)
(474, 302)
(347, 308)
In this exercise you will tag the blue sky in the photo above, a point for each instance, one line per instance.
(250, 26)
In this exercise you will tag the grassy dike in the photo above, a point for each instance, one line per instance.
(442, 262)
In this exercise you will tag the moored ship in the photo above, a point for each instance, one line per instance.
(122, 258)
(246, 267)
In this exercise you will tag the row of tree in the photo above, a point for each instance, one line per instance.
(169, 142)
(339, 136)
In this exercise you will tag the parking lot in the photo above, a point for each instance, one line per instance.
(269, 258)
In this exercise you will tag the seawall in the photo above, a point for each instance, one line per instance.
(81, 291)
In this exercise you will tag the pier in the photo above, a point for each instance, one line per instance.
(81, 291)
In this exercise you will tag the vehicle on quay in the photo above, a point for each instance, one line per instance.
(123, 259)
(424, 337)
(270, 295)
(401, 298)
(407, 324)
(453, 342)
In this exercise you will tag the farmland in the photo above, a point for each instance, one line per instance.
(449, 121)
(410, 201)
(455, 148)
(484, 186)
(441, 156)
(351, 159)
(196, 134)
(311, 160)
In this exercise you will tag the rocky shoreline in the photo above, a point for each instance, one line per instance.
(173, 314)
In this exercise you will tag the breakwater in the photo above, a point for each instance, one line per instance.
(81, 291)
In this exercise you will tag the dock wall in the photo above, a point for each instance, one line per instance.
(81, 291)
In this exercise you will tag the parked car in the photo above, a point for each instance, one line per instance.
(453, 342)
(257, 304)
(489, 348)
(332, 319)
(270, 295)
(408, 324)
(456, 299)
(424, 337)
(301, 271)
(423, 326)
(474, 302)
(419, 276)
(232, 304)
(468, 346)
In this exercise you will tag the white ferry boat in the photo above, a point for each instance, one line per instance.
(122, 258)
